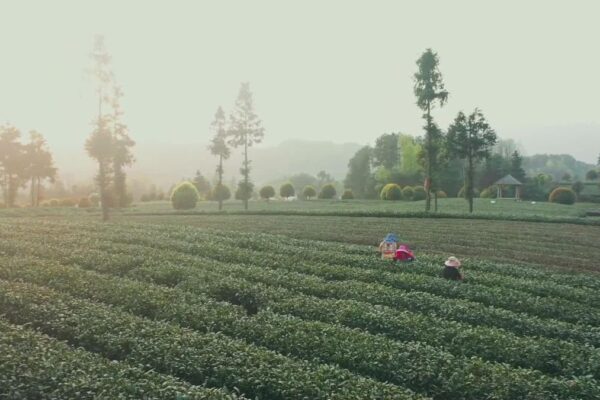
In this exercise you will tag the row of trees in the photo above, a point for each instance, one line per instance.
(23, 164)
(109, 144)
(467, 142)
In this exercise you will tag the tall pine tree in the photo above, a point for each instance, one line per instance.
(429, 90)
(245, 130)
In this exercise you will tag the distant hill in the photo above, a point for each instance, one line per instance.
(166, 163)
(556, 165)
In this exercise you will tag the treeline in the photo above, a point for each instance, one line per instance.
(23, 164)
(465, 160)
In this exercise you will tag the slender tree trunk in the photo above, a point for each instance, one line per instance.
(435, 201)
(470, 174)
(32, 189)
(102, 177)
(37, 192)
(246, 172)
(429, 161)
(220, 184)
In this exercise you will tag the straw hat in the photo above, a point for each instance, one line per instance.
(452, 262)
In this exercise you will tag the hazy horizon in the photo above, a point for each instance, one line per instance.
(328, 71)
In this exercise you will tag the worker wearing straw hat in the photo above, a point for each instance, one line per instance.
(452, 269)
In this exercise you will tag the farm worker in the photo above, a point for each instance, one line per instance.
(404, 254)
(388, 247)
(451, 269)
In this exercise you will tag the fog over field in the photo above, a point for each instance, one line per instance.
(333, 71)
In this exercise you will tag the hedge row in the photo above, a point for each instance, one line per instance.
(227, 250)
(550, 356)
(34, 366)
(401, 363)
(212, 358)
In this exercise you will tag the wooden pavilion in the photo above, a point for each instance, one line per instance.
(508, 181)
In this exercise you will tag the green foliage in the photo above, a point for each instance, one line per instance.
(267, 192)
(32, 364)
(385, 153)
(347, 195)
(358, 177)
(489, 193)
(245, 130)
(409, 154)
(244, 191)
(524, 332)
(221, 193)
(327, 191)
(577, 187)
(516, 167)
(202, 185)
(471, 139)
(462, 193)
(184, 196)
(562, 195)
(309, 192)
(407, 193)
(391, 191)
(591, 175)
(429, 90)
(419, 193)
(287, 190)
(441, 194)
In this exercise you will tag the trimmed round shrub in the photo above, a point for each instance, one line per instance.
(220, 192)
(419, 193)
(391, 192)
(309, 192)
(327, 192)
(347, 195)
(84, 202)
(287, 190)
(266, 192)
(441, 194)
(407, 193)
(244, 191)
(562, 195)
(185, 196)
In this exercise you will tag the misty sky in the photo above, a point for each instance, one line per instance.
(325, 70)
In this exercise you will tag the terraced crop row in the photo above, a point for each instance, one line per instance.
(506, 299)
(459, 310)
(403, 363)
(212, 358)
(292, 259)
(34, 366)
(559, 246)
(551, 356)
(308, 252)
(275, 318)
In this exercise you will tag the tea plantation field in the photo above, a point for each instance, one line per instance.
(208, 307)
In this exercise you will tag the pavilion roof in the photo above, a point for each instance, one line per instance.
(508, 180)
